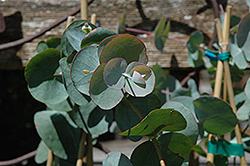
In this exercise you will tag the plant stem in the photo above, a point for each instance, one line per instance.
(158, 150)
(89, 151)
(84, 123)
(50, 158)
(134, 109)
(81, 149)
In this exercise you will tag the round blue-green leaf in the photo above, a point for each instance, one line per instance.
(181, 92)
(175, 147)
(96, 36)
(124, 46)
(62, 106)
(247, 89)
(82, 68)
(42, 153)
(193, 89)
(42, 45)
(125, 116)
(187, 102)
(238, 56)
(243, 112)
(103, 96)
(191, 131)
(116, 159)
(215, 114)
(75, 34)
(44, 78)
(58, 132)
(154, 123)
(73, 93)
(67, 48)
(140, 81)
(243, 30)
(113, 73)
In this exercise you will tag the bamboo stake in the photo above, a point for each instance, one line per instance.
(70, 19)
(93, 19)
(217, 87)
(225, 35)
(84, 9)
(81, 150)
(50, 158)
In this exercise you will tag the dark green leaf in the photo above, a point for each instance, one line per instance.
(243, 31)
(161, 33)
(199, 150)
(124, 46)
(103, 43)
(175, 147)
(126, 118)
(44, 78)
(54, 42)
(154, 123)
(215, 114)
(191, 131)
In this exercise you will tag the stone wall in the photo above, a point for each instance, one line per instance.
(38, 14)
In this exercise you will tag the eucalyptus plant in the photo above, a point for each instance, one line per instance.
(92, 76)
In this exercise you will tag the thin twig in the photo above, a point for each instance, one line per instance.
(19, 159)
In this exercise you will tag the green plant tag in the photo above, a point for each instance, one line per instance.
(225, 148)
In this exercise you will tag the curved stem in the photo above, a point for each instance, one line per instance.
(133, 108)
(158, 150)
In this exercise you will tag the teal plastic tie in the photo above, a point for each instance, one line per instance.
(225, 148)
(221, 57)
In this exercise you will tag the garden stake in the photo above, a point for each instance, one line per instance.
(225, 48)
(217, 89)
(70, 19)
(228, 78)
(93, 19)
(84, 9)
(81, 149)
(50, 158)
